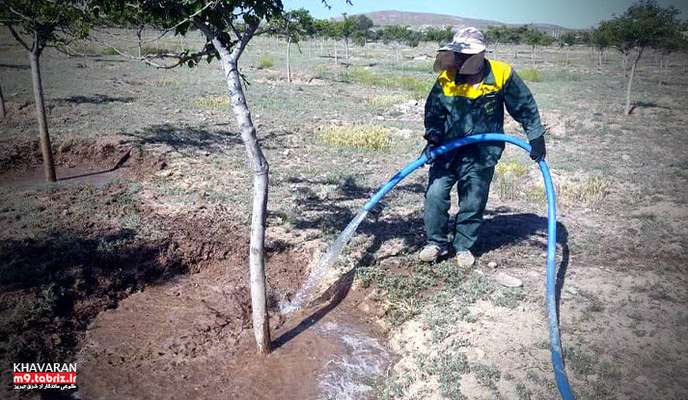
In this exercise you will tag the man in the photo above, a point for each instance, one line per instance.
(469, 98)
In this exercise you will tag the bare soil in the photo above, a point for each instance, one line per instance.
(163, 315)
(191, 339)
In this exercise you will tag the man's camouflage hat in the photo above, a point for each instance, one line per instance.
(467, 41)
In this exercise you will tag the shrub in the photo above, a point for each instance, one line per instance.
(265, 62)
(361, 136)
(530, 74)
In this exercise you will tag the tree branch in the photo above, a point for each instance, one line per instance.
(209, 35)
(243, 41)
(234, 29)
(181, 58)
(19, 39)
(190, 18)
(20, 15)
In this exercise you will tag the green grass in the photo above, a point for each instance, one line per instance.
(448, 291)
(265, 63)
(523, 392)
(561, 76)
(448, 367)
(579, 361)
(387, 100)
(157, 50)
(361, 76)
(109, 52)
(508, 297)
(530, 74)
(487, 375)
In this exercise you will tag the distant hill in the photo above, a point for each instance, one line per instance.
(419, 19)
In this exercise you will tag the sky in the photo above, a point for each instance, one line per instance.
(570, 14)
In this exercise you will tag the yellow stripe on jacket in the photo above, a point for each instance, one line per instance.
(500, 70)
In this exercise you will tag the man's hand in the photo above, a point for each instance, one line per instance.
(537, 149)
(433, 140)
(427, 152)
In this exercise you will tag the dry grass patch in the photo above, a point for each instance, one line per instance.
(509, 179)
(359, 136)
(212, 102)
(591, 191)
(387, 100)
(588, 192)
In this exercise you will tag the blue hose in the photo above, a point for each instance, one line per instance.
(555, 342)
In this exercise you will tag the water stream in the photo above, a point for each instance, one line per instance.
(326, 263)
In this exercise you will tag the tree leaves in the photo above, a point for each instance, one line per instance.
(53, 23)
(644, 24)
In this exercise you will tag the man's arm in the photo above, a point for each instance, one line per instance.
(521, 106)
(435, 116)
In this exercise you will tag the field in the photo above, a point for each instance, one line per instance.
(139, 273)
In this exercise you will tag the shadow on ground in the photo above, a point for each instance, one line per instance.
(15, 66)
(96, 99)
(186, 140)
(502, 227)
(54, 285)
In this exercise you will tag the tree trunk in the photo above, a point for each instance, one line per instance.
(599, 59)
(336, 60)
(259, 164)
(346, 48)
(322, 47)
(628, 109)
(48, 162)
(624, 63)
(139, 36)
(3, 110)
(288, 59)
